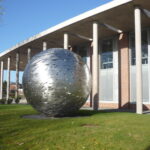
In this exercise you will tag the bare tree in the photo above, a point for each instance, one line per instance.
(1, 8)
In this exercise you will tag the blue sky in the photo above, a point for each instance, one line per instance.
(24, 18)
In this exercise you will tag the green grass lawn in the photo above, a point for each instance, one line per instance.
(98, 131)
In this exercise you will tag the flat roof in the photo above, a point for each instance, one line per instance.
(117, 13)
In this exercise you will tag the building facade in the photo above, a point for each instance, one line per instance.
(112, 39)
(118, 71)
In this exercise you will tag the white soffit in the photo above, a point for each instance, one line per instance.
(73, 20)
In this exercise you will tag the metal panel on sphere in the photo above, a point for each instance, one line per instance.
(56, 82)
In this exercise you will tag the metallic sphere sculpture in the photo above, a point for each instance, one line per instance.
(56, 82)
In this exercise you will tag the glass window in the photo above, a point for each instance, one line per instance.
(82, 51)
(144, 48)
(107, 54)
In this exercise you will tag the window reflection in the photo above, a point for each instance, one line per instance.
(106, 54)
(82, 51)
(144, 48)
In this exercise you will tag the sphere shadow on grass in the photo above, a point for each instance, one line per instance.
(80, 113)
(85, 112)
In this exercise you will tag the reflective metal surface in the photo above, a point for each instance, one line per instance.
(56, 82)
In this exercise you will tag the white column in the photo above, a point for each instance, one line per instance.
(115, 71)
(17, 74)
(2, 76)
(88, 48)
(88, 57)
(8, 78)
(44, 45)
(95, 68)
(66, 41)
(138, 48)
(149, 62)
(28, 54)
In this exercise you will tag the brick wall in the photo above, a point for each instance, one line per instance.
(124, 71)
(104, 105)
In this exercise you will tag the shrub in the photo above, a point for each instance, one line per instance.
(2, 101)
(10, 100)
(17, 100)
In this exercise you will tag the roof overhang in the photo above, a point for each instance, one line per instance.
(118, 14)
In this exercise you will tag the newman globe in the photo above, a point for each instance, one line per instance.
(56, 82)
